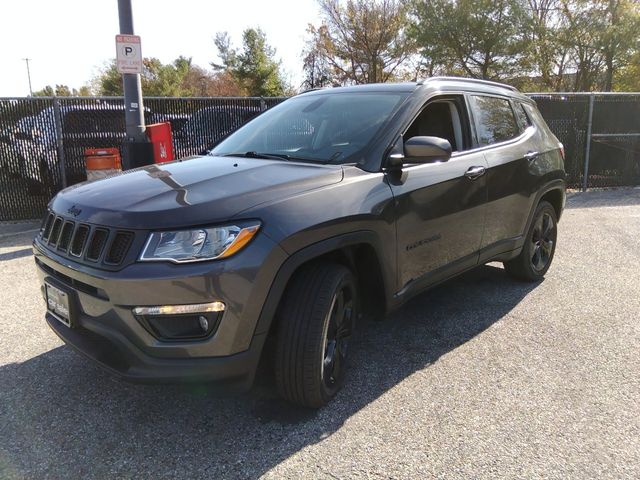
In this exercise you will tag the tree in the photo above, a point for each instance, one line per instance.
(62, 91)
(548, 50)
(47, 91)
(358, 41)
(254, 67)
(627, 78)
(315, 65)
(476, 38)
(109, 81)
(620, 36)
(584, 40)
(177, 79)
(580, 44)
(84, 91)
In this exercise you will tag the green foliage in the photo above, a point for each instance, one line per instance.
(47, 91)
(359, 41)
(603, 35)
(108, 82)
(477, 38)
(254, 67)
(627, 78)
(535, 44)
(62, 91)
(177, 79)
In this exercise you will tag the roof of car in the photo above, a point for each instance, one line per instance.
(444, 83)
(473, 85)
(367, 87)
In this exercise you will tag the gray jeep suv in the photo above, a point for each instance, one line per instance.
(333, 204)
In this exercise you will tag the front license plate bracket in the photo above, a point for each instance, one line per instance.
(59, 304)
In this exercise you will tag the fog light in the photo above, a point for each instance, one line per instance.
(204, 323)
(181, 322)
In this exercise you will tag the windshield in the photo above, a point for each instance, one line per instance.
(329, 128)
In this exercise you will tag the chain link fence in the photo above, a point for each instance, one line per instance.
(42, 140)
(600, 133)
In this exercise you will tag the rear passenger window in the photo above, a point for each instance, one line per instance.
(494, 120)
(521, 116)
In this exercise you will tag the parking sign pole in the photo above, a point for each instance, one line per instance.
(136, 148)
(57, 119)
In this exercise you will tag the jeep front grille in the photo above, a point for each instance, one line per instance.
(85, 243)
(98, 241)
(65, 235)
(79, 240)
(55, 232)
(119, 247)
(46, 231)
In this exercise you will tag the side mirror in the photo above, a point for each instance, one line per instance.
(427, 149)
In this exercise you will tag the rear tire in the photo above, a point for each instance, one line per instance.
(539, 246)
(315, 320)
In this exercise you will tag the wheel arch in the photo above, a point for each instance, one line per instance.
(556, 197)
(552, 192)
(360, 251)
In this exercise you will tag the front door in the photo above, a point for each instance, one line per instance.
(440, 206)
(440, 215)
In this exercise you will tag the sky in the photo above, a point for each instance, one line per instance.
(68, 41)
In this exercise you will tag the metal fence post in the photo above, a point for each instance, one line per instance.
(57, 116)
(263, 104)
(587, 148)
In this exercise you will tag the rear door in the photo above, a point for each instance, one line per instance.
(510, 155)
(440, 206)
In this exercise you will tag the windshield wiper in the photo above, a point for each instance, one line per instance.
(252, 154)
(269, 156)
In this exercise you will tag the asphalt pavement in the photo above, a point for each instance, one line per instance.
(482, 377)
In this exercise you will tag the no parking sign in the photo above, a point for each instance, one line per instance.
(128, 54)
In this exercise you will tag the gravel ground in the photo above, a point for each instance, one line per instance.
(481, 377)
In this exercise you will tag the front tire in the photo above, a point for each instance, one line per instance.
(539, 246)
(315, 320)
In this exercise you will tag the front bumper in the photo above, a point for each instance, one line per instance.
(107, 332)
(123, 359)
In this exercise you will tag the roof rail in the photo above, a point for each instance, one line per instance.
(469, 80)
(312, 90)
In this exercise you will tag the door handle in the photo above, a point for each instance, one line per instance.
(475, 172)
(531, 155)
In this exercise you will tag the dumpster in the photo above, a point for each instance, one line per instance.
(102, 162)
(159, 135)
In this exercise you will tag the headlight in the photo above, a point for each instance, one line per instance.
(198, 244)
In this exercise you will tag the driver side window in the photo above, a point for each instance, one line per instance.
(444, 118)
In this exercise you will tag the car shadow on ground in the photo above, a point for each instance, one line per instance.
(16, 245)
(65, 418)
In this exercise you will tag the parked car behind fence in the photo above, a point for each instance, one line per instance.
(30, 157)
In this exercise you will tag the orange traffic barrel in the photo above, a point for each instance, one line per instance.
(102, 162)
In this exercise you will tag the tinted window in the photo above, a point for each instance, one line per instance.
(324, 128)
(522, 117)
(536, 119)
(444, 119)
(494, 120)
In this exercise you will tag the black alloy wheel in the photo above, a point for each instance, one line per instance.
(543, 239)
(539, 247)
(315, 322)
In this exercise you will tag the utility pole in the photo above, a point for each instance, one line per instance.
(29, 75)
(137, 150)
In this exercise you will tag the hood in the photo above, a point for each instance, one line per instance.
(203, 190)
